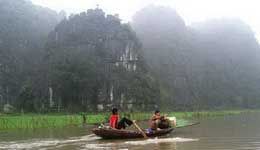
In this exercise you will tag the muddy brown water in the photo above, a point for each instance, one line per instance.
(239, 132)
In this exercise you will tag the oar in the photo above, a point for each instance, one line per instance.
(144, 135)
(196, 123)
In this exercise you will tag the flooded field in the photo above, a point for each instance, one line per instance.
(238, 132)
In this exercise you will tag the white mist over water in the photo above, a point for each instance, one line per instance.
(140, 142)
(162, 140)
(38, 143)
(91, 140)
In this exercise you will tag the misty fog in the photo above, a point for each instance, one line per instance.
(90, 60)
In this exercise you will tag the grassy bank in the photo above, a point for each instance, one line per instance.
(202, 114)
(34, 121)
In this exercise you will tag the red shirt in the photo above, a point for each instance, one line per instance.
(113, 121)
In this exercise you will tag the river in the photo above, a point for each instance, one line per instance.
(237, 132)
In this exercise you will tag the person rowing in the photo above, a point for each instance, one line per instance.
(159, 121)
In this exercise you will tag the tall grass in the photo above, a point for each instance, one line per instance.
(38, 121)
(33, 121)
(203, 114)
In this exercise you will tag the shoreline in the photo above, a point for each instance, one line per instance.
(36, 121)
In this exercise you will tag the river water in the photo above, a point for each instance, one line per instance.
(238, 132)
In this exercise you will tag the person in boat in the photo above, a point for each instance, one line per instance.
(159, 121)
(115, 123)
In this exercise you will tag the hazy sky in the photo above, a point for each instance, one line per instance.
(190, 10)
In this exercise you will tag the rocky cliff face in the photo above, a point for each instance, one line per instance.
(102, 58)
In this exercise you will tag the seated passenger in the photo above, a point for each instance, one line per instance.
(115, 123)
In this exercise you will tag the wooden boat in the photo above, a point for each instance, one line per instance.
(109, 133)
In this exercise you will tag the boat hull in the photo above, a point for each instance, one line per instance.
(108, 133)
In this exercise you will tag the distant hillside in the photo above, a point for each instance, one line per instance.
(228, 54)
(208, 65)
(93, 62)
(24, 29)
